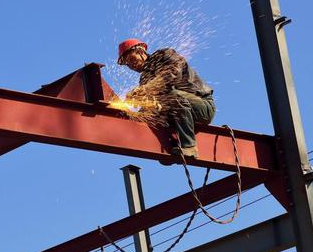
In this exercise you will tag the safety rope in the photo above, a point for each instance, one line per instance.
(190, 219)
(109, 239)
(194, 193)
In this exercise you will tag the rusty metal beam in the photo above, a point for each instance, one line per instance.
(82, 85)
(74, 112)
(86, 84)
(34, 117)
(159, 213)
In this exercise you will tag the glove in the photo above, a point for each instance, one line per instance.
(139, 97)
(138, 91)
(136, 95)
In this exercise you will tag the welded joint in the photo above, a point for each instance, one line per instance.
(281, 22)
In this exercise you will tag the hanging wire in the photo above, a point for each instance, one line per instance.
(210, 221)
(203, 224)
(110, 240)
(216, 220)
(208, 208)
(194, 193)
(185, 230)
(178, 222)
(191, 218)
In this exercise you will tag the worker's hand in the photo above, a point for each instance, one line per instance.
(128, 97)
(140, 91)
(143, 96)
(156, 104)
(137, 93)
(134, 97)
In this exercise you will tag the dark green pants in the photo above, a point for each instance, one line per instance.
(187, 109)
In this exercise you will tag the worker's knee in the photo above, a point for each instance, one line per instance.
(185, 104)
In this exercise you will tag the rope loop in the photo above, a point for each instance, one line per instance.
(194, 193)
(212, 218)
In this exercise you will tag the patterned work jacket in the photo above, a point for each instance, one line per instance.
(167, 70)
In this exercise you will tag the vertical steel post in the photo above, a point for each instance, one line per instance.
(285, 115)
(136, 204)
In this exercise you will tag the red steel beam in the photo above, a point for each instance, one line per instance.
(159, 213)
(83, 85)
(73, 112)
(74, 87)
(34, 117)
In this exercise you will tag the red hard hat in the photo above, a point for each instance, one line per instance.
(127, 45)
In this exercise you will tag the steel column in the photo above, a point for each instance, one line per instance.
(136, 204)
(286, 116)
(273, 235)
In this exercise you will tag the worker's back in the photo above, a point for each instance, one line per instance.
(173, 70)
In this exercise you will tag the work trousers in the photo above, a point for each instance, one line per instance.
(188, 109)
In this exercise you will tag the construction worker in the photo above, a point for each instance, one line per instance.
(173, 86)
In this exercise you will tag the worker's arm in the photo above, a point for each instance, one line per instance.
(135, 96)
(143, 96)
(167, 72)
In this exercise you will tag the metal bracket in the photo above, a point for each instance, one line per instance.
(281, 22)
(308, 176)
(92, 83)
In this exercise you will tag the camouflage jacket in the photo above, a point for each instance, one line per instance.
(165, 69)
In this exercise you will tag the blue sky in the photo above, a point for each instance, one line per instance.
(49, 194)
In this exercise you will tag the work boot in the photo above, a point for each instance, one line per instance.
(187, 151)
